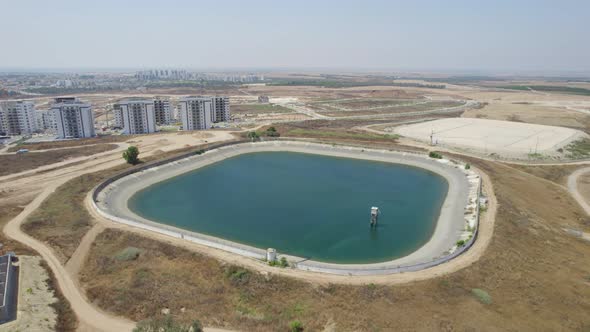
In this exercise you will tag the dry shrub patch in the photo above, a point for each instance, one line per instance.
(534, 270)
(16, 163)
(62, 219)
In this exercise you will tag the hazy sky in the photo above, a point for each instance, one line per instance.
(498, 35)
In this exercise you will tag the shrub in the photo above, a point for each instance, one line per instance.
(272, 132)
(435, 155)
(200, 151)
(296, 326)
(280, 263)
(460, 243)
(482, 296)
(131, 155)
(467, 166)
(128, 254)
(237, 275)
(252, 135)
(283, 262)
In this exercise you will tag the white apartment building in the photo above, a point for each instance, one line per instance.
(118, 116)
(138, 116)
(46, 121)
(163, 111)
(195, 113)
(73, 118)
(17, 117)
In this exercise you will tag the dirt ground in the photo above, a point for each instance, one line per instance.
(533, 276)
(62, 221)
(16, 163)
(60, 316)
(584, 186)
(71, 143)
(35, 311)
(531, 269)
(531, 113)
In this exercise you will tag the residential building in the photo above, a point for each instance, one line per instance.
(17, 117)
(195, 113)
(118, 116)
(138, 116)
(73, 118)
(220, 106)
(162, 110)
(46, 121)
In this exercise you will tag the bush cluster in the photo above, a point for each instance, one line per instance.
(435, 155)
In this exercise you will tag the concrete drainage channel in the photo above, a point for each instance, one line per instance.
(455, 232)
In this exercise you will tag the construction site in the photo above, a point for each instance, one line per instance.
(520, 240)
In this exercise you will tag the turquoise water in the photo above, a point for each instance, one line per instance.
(305, 205)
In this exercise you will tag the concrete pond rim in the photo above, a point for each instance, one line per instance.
(457, 222)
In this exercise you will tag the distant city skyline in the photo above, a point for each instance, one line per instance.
(457, 36)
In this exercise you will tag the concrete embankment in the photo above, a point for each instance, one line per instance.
(457, 219)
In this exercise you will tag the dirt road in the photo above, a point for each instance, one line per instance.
(45, 183)
(572, 187)
(91, 319)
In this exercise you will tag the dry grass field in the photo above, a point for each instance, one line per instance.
(531, 113)
(532, 269)
(259, 108)
(534, 276)
(66, 319)
(71, 143)
(16, 163)
(62, 219)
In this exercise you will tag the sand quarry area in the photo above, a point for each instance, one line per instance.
(505, 138)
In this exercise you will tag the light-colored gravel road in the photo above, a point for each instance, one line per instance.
(90, 317)
(572, 186)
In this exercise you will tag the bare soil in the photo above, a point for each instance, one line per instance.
(584, 186)
(16, 163)
(72, 143)
(61, 221)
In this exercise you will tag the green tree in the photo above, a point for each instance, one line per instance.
(131, 155)
(252, 135)
(284, 262)
(435, 155)
(272, 132)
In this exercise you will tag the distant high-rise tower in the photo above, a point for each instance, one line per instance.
(73, 118)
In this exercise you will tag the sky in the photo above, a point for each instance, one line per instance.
(498, 36)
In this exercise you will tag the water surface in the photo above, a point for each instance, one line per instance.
(305, 205)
